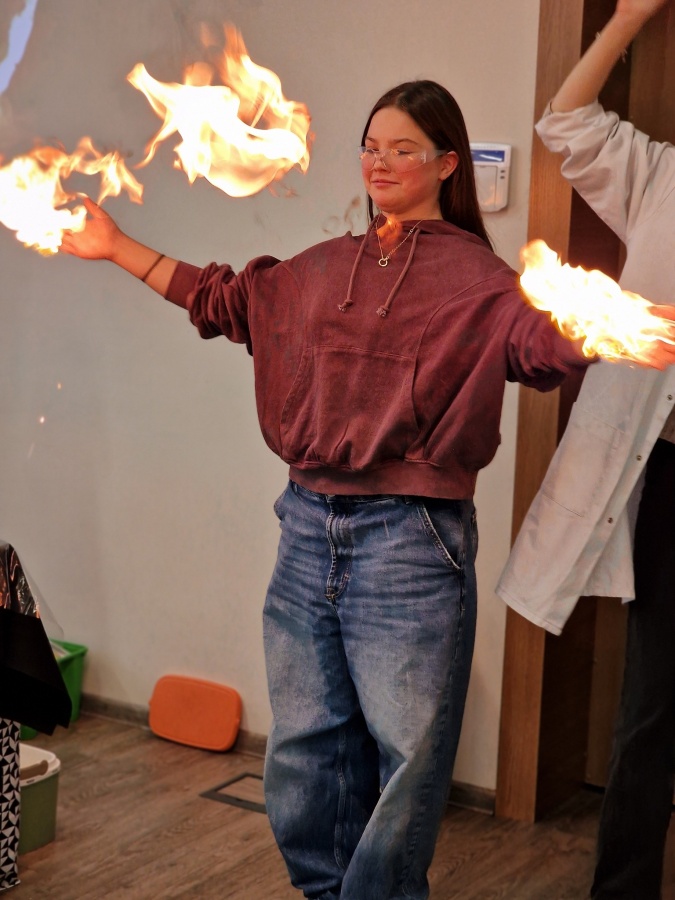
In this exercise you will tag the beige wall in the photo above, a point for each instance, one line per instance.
(142, 507)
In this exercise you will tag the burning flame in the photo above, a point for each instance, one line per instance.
(33, 199)
(615, 324)
(389, 233)
(240, 135)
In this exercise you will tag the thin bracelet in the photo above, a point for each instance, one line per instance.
(156, 262)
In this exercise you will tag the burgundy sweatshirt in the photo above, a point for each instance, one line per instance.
(381, 380)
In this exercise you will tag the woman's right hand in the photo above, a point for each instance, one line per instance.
(99, 237)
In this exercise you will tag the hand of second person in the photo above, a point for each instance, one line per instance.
(98, 238)
(641, 10)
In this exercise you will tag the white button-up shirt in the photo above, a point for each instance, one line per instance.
(576, 539)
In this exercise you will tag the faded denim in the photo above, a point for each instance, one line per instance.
(369, 628)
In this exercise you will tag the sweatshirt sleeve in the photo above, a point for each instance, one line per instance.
(216, 298)
(622, 174)
(538, 355)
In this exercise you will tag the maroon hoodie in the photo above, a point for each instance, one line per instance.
(371, 379)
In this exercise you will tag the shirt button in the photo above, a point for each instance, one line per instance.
(670, 396)
(610, 520)
(638, 457)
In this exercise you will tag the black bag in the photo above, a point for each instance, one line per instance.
(32, 690)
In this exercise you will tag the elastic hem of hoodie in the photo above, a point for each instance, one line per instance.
(566, 356)
(182, 282)
(418, 479)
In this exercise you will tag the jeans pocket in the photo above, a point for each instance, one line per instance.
(443, 522)
(278, 503)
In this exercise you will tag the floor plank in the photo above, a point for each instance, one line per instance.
(131, 824)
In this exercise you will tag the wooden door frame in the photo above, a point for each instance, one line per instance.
(546, 679)
(547, 694)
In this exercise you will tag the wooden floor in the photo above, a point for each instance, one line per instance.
(131, 824)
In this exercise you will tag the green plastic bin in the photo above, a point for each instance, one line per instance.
(38, 798)
(70, 659)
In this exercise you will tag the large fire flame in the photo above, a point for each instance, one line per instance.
(34, 202)
(240, 135)
(615, 324)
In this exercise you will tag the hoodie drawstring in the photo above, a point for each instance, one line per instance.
(349, 302)
(383, 310)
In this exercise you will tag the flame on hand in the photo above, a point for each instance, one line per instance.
(33, 201)
(614, 324)
(240, 135)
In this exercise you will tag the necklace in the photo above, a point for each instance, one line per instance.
(384, 260)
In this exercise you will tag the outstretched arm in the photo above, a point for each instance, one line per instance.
(103, 239)
(588, 77)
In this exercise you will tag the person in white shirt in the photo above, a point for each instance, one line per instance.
(603, 522)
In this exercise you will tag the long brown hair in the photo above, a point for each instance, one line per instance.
(437, 113)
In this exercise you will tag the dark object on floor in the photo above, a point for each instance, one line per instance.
(244, 791)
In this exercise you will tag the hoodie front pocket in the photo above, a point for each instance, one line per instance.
(349, 407)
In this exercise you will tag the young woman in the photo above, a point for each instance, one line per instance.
(380, 362)
(621, 437)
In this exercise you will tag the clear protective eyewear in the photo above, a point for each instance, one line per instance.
(397, 160)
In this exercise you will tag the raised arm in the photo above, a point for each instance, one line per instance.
(588, 77)
(103, 239)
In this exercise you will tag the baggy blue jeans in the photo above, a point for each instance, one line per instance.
(369, 628)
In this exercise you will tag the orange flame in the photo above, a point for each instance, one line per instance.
(614, 324)
(241, 135)
(389, 233)
(33, 199)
